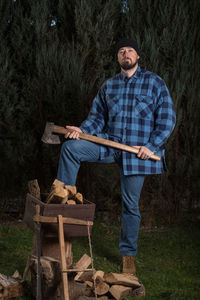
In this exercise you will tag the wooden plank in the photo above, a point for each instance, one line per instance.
(68, 253)
(119, 292)
(63, 258)
(45, 219)
(79, 270)
(93, 298)
(122, 279)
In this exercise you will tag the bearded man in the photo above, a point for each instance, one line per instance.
(135, 108)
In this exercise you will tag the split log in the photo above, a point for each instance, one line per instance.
(89, 283)
(79, 198)
(119, 292)
(83, 263)
(86, 276)
(57, 183)
(58, 195)
(16, 275)
(99, 276)
(71, 189)
(139, 292)
(10, 287)
(88, 292)
(34, 188)
(102, 288)
(122, 279)
(71, 202)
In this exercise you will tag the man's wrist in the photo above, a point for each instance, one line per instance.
(151, 147)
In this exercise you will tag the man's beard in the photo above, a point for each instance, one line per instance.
(127, 66)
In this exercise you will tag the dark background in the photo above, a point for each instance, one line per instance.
(54, 56)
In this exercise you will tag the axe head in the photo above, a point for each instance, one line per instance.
(48, 136)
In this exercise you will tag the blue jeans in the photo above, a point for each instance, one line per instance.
(73, 152)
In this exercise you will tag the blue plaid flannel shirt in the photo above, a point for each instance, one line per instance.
(133, 111)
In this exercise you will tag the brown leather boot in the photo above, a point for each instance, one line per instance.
(128, 265)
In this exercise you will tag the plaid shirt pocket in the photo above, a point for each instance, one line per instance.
(144, 106)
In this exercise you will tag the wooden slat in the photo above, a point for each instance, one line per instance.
(45, 219)
(63, 258)
(77, 270)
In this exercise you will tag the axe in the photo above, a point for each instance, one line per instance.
(50, 138)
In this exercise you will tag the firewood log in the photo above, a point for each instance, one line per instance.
(79, 198)
(119, 292)
(102, 288)
(99, 276)
(71, 189)
(71, 202)
(10, 287)
(86, 276)
(89, 283)
(58, 195)
(122, 279)
(83, 263)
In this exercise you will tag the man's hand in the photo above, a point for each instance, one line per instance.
(74, 132)
(144, 152)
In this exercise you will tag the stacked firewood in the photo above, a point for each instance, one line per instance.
(113, 285)
(59, 193)
(64, 194)
(11, 286)
(84, 284)
(107, 286)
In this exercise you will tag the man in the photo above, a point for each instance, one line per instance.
(134, 108)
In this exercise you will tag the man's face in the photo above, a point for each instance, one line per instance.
(127, 58)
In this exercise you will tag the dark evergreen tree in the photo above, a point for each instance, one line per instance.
(54, 56)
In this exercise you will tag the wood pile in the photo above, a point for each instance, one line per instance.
(59, 193)
(112, 286)
(82, 285)
(107, 286)
(11, 286)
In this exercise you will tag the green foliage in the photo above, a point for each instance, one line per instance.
(54, 56)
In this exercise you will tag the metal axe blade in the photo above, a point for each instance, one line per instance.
(48, 136)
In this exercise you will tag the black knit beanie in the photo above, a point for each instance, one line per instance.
(127, 43)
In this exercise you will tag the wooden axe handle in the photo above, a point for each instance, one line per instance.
(105, 142)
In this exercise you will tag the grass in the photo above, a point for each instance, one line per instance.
(167, 263)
